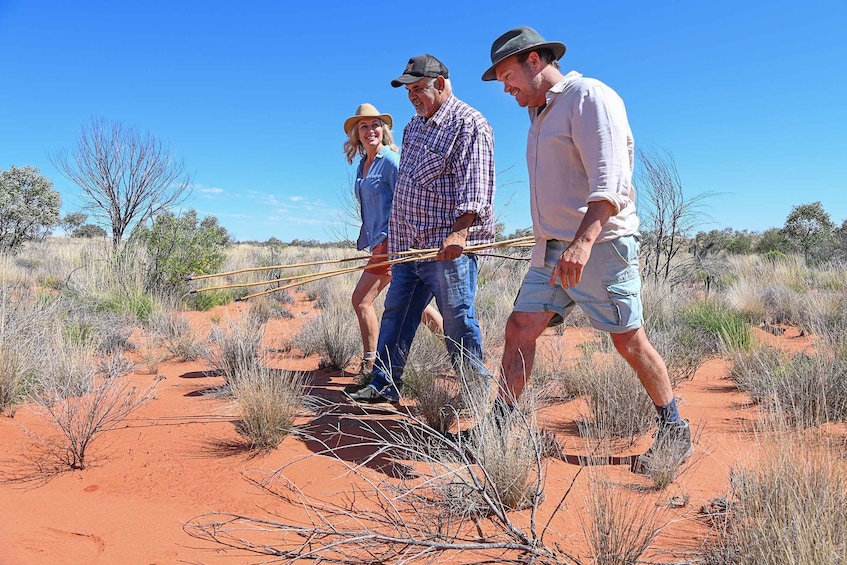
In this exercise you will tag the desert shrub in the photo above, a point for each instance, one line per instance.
(722, 327)
(457, 498)
(774, 256)
(181, 246)
(268, 401)
(682, 348)
(807, 390)
(29, 207)
(790, 507)
(81, 405)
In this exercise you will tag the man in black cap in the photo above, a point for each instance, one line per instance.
(580, 160)
(443, 200)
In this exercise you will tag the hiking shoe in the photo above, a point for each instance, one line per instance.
(363, 380)
(500, 415)
(369, 395)
(670, 449)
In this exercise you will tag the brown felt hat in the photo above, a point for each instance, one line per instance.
(367, 111)
(519, 40)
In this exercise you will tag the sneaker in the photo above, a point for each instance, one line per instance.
(369, 395)
(670, 449)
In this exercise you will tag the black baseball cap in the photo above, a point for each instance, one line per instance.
(420, 67)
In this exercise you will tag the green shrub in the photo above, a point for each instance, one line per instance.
(205, 301)
(181, 246)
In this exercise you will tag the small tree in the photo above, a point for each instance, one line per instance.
(127, 177)
(810, 230)
(667, 215)
(74, 225)
(89, 231)
(73, 221)
(180, 246)
(29, 207)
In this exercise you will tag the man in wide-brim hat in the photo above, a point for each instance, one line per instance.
(580, 160)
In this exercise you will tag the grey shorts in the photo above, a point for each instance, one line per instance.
(609, 291)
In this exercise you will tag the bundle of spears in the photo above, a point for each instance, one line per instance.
(387, 259)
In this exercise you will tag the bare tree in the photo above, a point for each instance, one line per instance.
(667, 215)
(127, 176)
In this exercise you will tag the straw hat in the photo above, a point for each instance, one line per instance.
(366, 111)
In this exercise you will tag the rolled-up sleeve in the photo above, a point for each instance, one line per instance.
(601, 135)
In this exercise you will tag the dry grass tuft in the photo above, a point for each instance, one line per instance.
(268, 402)
(790, 507)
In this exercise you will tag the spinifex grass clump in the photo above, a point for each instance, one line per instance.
(333, 334)
(176, 336)
(619, 529)
(619, 406)
(235, 346)
(791, 507)
(806, 390)
(268, 402)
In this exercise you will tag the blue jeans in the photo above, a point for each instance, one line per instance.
(413, 284)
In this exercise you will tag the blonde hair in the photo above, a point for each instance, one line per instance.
(353, 147)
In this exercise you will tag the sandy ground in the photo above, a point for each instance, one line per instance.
(179, 456)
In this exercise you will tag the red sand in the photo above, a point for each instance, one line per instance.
(178, 457)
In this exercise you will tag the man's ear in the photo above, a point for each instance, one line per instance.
(440, 83)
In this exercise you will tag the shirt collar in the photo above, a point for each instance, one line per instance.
(442, 111)
(567, 79)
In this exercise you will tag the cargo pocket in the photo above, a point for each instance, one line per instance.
(625, 296)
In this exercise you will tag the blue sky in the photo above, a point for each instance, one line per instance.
(749, 97)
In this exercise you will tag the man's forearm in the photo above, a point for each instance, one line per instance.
(463, 223)
(595, 218)
(454, 244)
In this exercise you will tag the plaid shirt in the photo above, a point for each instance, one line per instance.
(446, 170)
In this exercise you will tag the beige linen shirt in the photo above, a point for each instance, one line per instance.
(580, 150)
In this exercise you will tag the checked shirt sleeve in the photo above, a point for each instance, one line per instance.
(474, 169)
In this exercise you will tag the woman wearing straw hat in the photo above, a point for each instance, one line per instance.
(369, 137)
